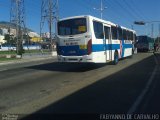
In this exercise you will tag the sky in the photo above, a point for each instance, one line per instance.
(122, 12)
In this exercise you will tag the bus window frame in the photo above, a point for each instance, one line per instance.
(114, 32)
(101, 35)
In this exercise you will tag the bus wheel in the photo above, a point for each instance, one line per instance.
(116, 59)
(133, 50)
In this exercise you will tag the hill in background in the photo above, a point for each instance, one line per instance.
(4, 24)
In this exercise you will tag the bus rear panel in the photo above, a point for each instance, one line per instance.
(74, 41)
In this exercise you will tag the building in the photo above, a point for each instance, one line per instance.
(3, 31)
(45, 35)
(36, 39)
(33, 34)
(2, 41)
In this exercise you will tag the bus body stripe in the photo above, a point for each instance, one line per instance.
(101, 47)
(76, 51)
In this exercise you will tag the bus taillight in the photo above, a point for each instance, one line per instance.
(89, 47)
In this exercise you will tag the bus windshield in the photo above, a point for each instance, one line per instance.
(72, 26)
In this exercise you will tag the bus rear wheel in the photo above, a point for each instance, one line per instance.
(116, 58)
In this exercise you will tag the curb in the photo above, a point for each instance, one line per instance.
(26, 60)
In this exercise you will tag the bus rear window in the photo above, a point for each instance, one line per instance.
(72, 26)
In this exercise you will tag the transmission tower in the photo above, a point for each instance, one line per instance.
(17, 17)
(49, 15)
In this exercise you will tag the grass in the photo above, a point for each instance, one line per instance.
(7, 59)
(7, 52)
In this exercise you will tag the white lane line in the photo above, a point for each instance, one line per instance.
(145, 90)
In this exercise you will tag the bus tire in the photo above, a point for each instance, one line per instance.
(133, 52)
(116, 58)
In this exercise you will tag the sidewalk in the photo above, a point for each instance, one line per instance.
(29, 58)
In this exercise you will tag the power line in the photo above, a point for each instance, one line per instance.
(126, 10)
(117, 12)
(139, 10)
(133, 10)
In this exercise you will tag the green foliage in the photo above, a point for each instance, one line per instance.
(7, 52)
(7, 38)
(10, 39)
(20, 50)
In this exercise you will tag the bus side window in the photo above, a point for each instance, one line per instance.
(114, 33)
(107, 32)
(0, 47)
(120, 37)
(130, 36)
(98, 30)
(128, 33)
(124, 34)
(135, 38)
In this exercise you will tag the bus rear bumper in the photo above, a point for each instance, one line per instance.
(85, 58)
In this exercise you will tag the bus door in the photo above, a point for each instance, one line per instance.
(108, 42)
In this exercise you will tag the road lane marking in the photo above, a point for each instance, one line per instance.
(145, 90)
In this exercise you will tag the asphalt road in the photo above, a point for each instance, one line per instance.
(55, 89)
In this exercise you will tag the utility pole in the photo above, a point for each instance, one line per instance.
(17, 17)
(49, 13)
(101, 9)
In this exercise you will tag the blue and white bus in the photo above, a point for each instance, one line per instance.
(90, 39)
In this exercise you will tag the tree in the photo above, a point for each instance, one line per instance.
(27, 38)
(10, 39)
(7, 38)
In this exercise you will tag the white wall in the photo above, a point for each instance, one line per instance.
(2, 39)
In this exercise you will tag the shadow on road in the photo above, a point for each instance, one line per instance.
(68, 67)
(112, 95)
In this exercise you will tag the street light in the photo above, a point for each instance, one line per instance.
(139, 22)
(101, 9)
(145, 22)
